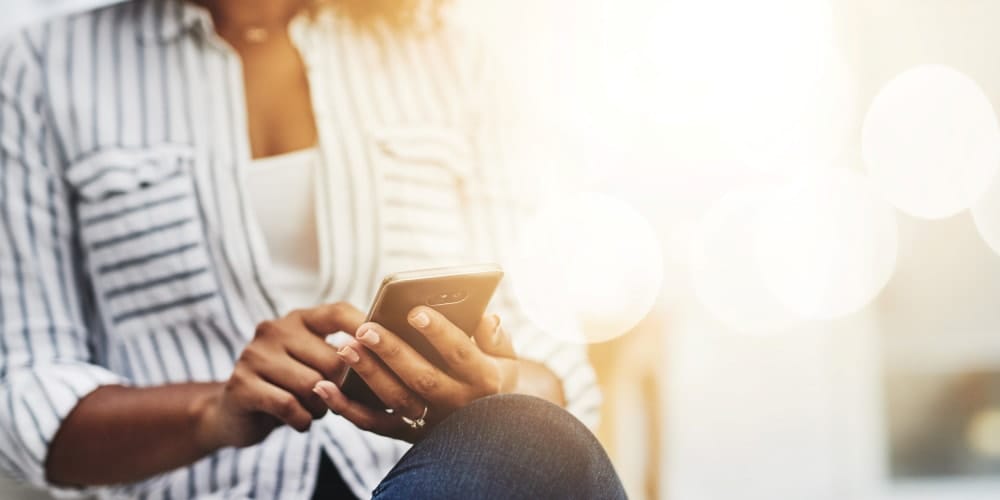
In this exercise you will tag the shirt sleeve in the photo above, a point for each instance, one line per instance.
(505, 195)
(45, 361)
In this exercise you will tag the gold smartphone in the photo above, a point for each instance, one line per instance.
(459, 293)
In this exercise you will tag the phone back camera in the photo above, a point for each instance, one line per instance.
(441, 299)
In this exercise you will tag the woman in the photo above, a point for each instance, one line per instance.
(194, 194)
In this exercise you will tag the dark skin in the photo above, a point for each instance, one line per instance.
(278, 122)
(122, 434)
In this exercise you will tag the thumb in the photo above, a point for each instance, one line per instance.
(492, 339)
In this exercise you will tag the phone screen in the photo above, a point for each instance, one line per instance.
(461, 294)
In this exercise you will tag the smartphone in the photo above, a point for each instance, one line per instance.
(460, 293)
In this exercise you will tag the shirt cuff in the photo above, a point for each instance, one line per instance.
(37, 400)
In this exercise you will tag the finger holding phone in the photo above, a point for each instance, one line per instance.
(411, 385)
(421, 363)
(272, 381)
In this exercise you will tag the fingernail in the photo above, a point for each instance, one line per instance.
(322, 391)
(349, 355)
(369, 336)
(420, 320)
(497, 331)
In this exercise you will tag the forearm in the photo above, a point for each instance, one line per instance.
(535, 379)
(121, 434)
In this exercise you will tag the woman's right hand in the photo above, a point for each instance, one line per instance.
(272, 382)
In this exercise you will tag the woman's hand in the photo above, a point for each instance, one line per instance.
(272, 382)
(410, 384)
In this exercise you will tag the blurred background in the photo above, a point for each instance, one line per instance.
(784, 218)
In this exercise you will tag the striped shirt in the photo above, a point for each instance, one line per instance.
(127, 242)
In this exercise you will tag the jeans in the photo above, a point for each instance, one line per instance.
(501, 447)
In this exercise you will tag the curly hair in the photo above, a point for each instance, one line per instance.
(401, 15)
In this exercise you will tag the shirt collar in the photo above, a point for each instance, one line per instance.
(166, 21)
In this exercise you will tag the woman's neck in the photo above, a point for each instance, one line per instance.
(242, 15)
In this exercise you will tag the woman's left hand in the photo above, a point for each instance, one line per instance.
(415, 388)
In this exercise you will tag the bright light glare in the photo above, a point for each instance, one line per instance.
(748, 84)
(685, 86)
(724, 270)
(931, 141)
(983, 435)
(826, 245)
(588, 269)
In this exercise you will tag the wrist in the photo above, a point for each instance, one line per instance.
(535, 379)
(509, 375)
(206, 417)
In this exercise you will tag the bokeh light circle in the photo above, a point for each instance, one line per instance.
(778, 101)
(826, 245)
(986, 214)
(931, 141)
(588, 268)
(723, 265)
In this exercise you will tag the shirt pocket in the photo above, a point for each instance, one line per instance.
(143, 238)
(424, 175)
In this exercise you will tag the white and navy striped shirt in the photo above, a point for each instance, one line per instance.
(127, 245)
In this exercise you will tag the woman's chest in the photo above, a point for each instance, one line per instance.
(280, 115)
(158, 157)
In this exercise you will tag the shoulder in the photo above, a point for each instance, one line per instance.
(465, 48)
(449, 47)
(38, 32)
(43, 35)
(34, 58)
(20, 55)
(35, 47)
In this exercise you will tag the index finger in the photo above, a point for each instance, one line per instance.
(492, 339)
(332, 318)
(318, 355)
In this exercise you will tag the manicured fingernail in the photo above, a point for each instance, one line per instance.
(497, 331)
(369, 336)
(420, 320)
(322, 391)
(349, 354)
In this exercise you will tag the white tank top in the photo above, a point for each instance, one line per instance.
(282, 191)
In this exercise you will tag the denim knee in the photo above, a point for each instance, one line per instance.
(523, 421)
(506, 446)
